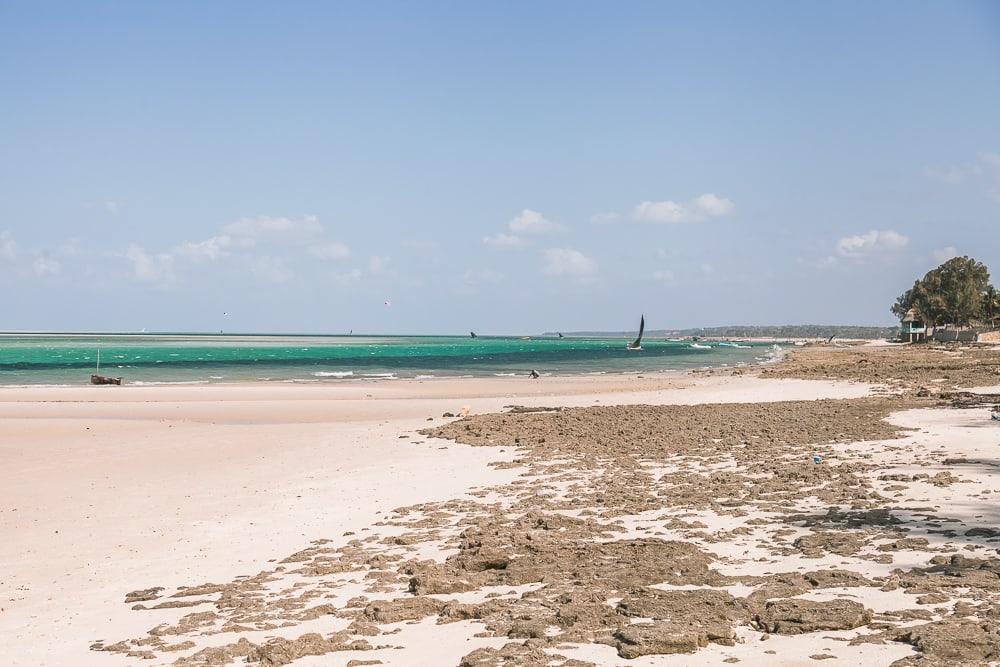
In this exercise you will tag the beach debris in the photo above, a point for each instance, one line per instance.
(817, 458)
(996, 413)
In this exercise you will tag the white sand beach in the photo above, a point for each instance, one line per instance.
(111, 490)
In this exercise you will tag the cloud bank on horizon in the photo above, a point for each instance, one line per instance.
(473, 171)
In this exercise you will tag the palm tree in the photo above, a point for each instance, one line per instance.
(991, 304)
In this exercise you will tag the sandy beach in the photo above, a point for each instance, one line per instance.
(520, 334)
(666, 519)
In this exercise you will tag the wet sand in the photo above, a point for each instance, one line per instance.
(326, 537)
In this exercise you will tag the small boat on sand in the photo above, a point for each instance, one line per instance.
(699, 346)
(97, 378)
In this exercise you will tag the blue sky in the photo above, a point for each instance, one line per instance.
(505, 167)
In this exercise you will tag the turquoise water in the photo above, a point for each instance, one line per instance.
(151, 359)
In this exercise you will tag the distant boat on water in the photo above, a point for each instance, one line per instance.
(699, 346)
(637, 343)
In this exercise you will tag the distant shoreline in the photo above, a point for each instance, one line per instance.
(765, 333)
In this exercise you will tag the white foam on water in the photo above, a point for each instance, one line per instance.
(151, 383)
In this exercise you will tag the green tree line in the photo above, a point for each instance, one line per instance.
(957, 293)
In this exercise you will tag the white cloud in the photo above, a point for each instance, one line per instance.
(713, 206)
(698, 209)
(604, 218)
(377, 264)
(821, 263)
(69, 248)
(661, 212)
(502, 240)
(942, 255)
(991, 162)
(8, 248)
(567, 261)
(532, 222)
(875, 241)
(265, 225)
(525, 223)
(210, 249)
(45, 266)
(112, 206)
(155, 268)
(663, 275)
(330, 250)
(950, 174)
(347, 277)
(271, 269)
(985, 170)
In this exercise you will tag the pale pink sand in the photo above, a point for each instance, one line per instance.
(104, 489)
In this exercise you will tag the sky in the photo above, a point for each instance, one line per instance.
(504, 167)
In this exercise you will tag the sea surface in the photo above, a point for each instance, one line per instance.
(32, 359)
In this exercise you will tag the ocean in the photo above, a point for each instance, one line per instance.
(33, 359)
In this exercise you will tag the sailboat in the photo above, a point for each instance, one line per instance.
(97, 378)
(637, 343)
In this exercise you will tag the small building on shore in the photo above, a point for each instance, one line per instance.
(912, 329)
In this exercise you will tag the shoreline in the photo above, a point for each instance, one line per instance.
(523, 381)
